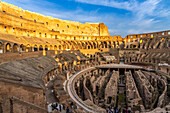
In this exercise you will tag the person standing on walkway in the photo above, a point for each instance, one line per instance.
(60, 108)
(67, 110)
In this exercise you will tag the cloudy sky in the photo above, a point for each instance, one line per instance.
(122, 17)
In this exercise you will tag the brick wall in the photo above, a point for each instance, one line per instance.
(7, 57)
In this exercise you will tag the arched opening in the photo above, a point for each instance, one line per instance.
(105, 44)
(138, 45)
(134, 46)
(55, 47)
(15, 48)
(72, 48)
(131, 45)
(109, 100)
(89, 47)
(1, 47)
(8, 47)
(83, 46)
(167, 70)
(59, 47)
(78, 45)
(97, 90)
(35, 48)
(64, 47)
(75, 45)
(114, 44)
(102, 44)
(46, 48)
(51, 47)
(127, 46)
(94, 45)
(28, 48)
(67, 47)
(22, 48)
(40, 48)
(117, 44)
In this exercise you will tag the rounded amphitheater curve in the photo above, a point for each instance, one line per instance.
(74, 96)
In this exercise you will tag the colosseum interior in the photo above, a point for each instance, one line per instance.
(45, 60)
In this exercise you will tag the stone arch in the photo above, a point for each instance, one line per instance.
(122, 45)
(157, 46)
(72, 47)
(70, 44)
(94, 45)
(67, 45)
(90, 44)
(8, 47)
(22, 48)
(104, 44)
(97, 44)
(101, 45)
(35, 48)
(64, 46)
(117, 44)
(114, 44)
(75, 45)
(138, 46)
(28, 48)
(15, 48)
(1, 47)
(81, 44)
(86, 45)
(51, 47)
(109, 44)
(40, 48)
(109, 100)
(143, 44)
(78, 45)
(132, 45)
(59, 47)
(46, 47)
(55, 47)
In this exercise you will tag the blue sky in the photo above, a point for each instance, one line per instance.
(122, 17)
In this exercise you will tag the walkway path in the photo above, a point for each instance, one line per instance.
(50, 97)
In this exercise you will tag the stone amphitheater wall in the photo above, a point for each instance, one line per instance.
(24, 93)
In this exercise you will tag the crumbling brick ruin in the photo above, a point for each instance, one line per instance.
(45, 60)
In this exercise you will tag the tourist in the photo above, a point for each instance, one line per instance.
(116, 110)
(67, 110)
(121, 111)
(129, 110)
(60, 108)
(64, 106)
(49, 108)
(72, 107)
(53, 106)
(108, 110)
(126, 111)
(112, 110)
(56, 104)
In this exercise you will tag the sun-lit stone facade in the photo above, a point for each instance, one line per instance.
(36, 50)
(26, 23)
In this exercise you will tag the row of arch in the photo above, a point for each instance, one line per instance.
(150, 43)
(63, 45)
(155, 43)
